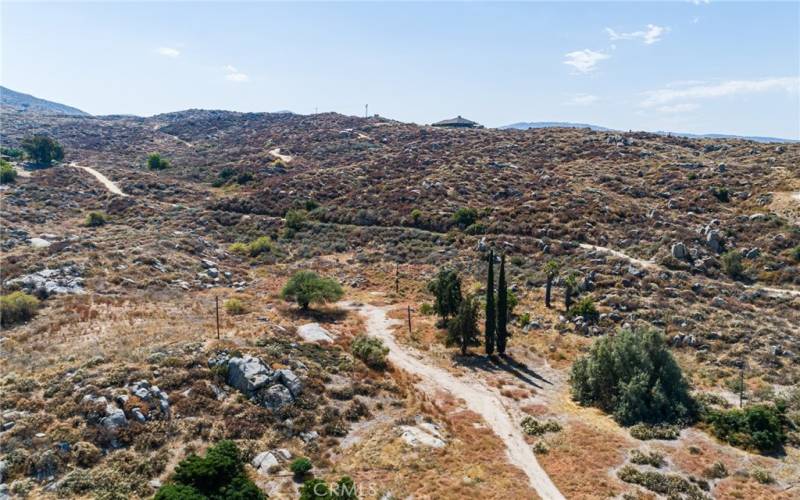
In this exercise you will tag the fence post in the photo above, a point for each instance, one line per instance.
(409, 320)
(216, 300)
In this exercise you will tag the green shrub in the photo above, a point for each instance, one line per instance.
(244, 178)
(300, 466)
(371, 351)
(416, 216)
(306, 287)
(653, 458)
(672, 486)
(42, 149)
(721, 194)
(17, 307)
(7, 173)
(476, 228)
(465, 217)
(796, 253)
(218, 475)
(533, 427)
(95, 219)
(426, 309)
(260, 245)
(524, 319)
(762, 476)
(296, 219)
(234, 306)
(732, 263)
(11, 152)
(585, 308)
(633, 376)
(645, 432)
(757, 427)
(155, 162)
(716, 471)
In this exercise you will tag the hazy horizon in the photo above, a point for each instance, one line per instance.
(648, 66)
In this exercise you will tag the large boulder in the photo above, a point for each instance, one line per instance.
(263, 462)
(312, 332)
(291, 381)
(679, 251)
(248, 374)
(275, 397)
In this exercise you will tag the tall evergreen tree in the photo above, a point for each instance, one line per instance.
(490, 324)
(502, 308)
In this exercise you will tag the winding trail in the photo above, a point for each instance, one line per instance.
(647, 264)
(105, 181)
(478, 397)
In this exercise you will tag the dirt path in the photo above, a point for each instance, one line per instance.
(277, 154)
(478, 397)
(647, 264)
(105, 181)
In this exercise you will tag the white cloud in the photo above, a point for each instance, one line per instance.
(584, 60)
(678, 108)
(663, 97)
(698, 2)
(582, 100)
(234, 75)
(650, 35)
(168, 52)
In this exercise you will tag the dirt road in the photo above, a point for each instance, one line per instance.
(478, 397)
(105, 181)
(277, 154)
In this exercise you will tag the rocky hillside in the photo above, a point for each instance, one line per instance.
(17, 102)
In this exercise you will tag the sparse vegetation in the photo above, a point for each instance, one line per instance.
(584, 308)
(260, 245)
(634, 377)
(306, 287)
(465, 217)
(652, 458)
(296, 219)
(371, 351)
(42, 149)
(534, 427)
(665, 484)
(17, 307)
(732, 263)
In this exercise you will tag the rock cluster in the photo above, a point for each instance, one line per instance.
(271, 389)
(49, 282)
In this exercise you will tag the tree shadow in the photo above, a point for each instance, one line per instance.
(506, 364)
(321, 315)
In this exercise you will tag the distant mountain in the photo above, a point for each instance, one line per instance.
(24, 103)
(755, 138)
(527, 125)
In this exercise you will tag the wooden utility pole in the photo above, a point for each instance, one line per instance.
(409, 320)
(216, 301)
(397, 278)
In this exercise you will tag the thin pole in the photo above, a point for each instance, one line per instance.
(216, 300)
(741, 384)
(397, 278)
(409, 320)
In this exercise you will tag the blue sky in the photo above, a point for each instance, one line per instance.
(684, 66)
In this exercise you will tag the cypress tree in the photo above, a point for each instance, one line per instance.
(502, 308)
(489, 327)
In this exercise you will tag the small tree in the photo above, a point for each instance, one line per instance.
(551, 269)
(570, 287)
(463, 329)
(502, 308)
(465, 217)
(490, 324)
(95, 219)
(17, 307)
(300, 467)
(155, 162)
(307, 287)
(42, 149)
(446, 288)
(732, 263)
(295, 219)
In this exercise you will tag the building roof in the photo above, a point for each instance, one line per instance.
(456, 122)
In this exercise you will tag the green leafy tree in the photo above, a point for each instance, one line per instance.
(502, 308)
(7, 173)
(551, 269)
(307, 287)
(42, 150)
(465, 217)
(634, 377)
(463, 328)
(219, 475)
(489, 325)
(757, 427)
(446, 288)
(156, 162)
